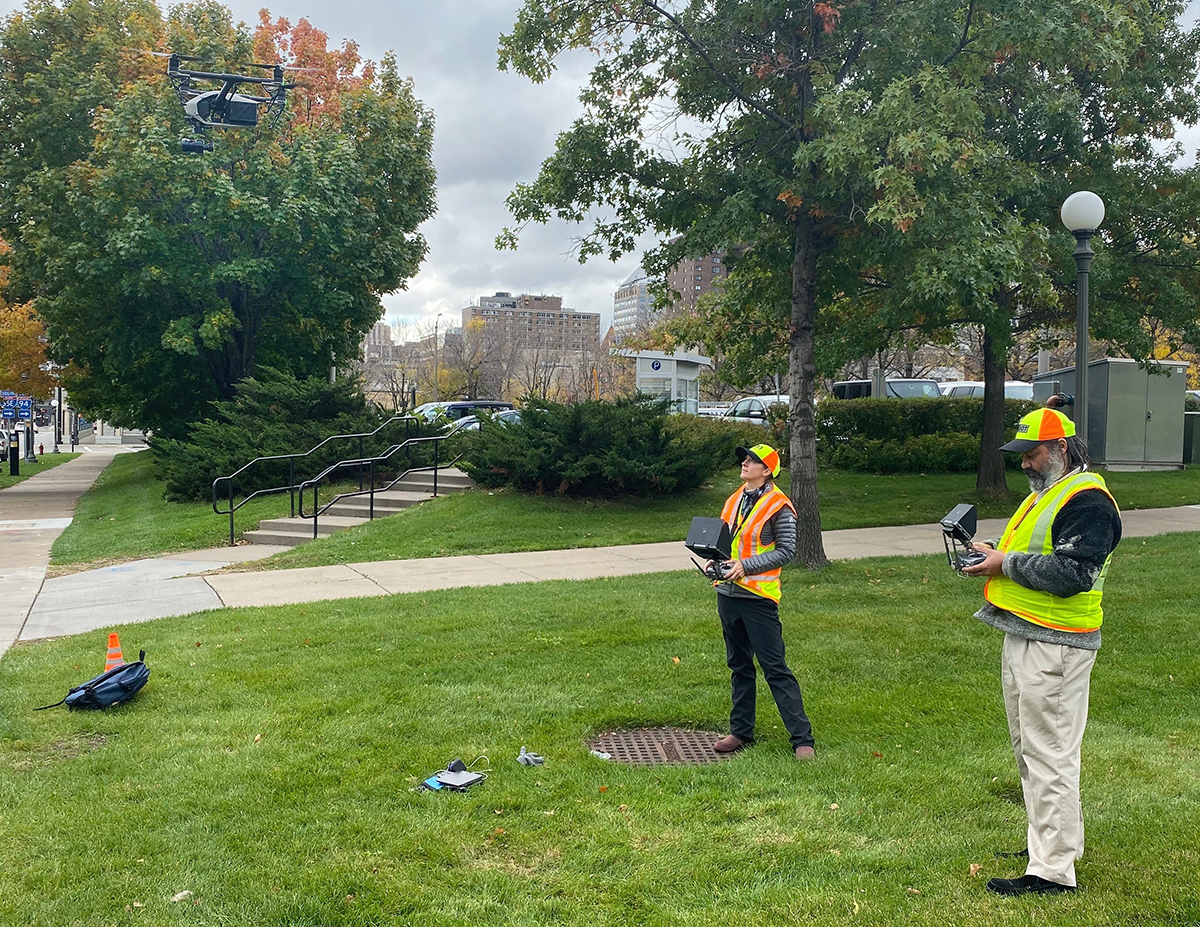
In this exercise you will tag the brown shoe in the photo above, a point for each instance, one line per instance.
(805, 753)
(729, 743)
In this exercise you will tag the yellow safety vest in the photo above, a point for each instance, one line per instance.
(747, 537)
(1029, 532)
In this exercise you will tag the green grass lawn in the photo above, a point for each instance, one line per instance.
(45, 462)
(483, 521)
(124, 517)
(268, 766)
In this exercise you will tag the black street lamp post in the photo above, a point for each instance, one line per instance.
(58, 410)
(1082, 214)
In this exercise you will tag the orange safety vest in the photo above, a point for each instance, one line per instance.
(747, 537)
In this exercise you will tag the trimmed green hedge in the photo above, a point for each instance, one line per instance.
(900, 419)
(953, 453)
(907, 435)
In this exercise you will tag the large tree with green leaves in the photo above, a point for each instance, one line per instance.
(796, 135)
(166, 279)
(990, 250)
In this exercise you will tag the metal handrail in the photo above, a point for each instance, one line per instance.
(319, 510)
(291, 487)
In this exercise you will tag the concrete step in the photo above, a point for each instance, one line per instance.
(355, 510)
(386, 503)
(279, 537)
(452, 480)
(288, 532)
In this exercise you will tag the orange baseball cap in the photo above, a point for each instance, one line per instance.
(1038, 426)
(764, 454)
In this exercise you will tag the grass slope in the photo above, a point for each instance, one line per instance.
(483, 522)
(45, 462)
(268, 765)
(124, 516)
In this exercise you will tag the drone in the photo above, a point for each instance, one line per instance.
(225, 108)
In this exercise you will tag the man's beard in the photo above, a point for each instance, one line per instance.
(1055, 468)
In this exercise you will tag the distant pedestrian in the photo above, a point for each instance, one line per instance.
(1045, 582)
(762, 522)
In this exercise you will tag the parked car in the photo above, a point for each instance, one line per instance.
(472, 422)
(459, 409)
(754, 408)
(1013, 389)
(896, 389)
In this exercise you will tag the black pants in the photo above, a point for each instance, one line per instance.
(752, 629)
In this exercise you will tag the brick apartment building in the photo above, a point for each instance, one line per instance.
(530, 321)
(691, 278)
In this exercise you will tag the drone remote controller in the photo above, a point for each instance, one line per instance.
(716, 569)
(969, 559)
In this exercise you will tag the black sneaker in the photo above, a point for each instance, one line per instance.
(1015, 854)
(1027, 885)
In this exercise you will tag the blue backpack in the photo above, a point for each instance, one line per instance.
(119, 684)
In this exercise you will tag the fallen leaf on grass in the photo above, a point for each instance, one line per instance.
(833, 807)
(975, 867)
(913, 891)
(604, 788)
(856, 907)
(674, 659)
(257, 738)
(180, 896)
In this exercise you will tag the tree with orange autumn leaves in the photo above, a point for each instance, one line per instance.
(164, 280)
(24, 366)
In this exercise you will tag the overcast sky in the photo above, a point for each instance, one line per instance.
(492, 131)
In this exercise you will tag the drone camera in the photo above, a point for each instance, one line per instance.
(195, 145)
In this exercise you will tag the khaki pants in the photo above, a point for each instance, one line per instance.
(1046, 697)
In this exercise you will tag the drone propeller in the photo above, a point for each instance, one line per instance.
(146, 51)
(272, 67)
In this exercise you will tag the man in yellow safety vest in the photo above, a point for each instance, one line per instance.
(1044, 588)
(762, 523)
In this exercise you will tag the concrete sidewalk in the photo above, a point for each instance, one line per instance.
(148, 589)
(32, 514)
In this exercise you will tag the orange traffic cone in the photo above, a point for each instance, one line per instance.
(114, 658)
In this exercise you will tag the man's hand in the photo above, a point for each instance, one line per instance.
(734, 569)
(992, 566)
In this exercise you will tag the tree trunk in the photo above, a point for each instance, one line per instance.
(990, 480)
(810, 551)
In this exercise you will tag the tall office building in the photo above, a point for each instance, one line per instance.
(633, 310)
(378, 344)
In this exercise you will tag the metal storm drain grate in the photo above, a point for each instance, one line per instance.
(659, 746)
